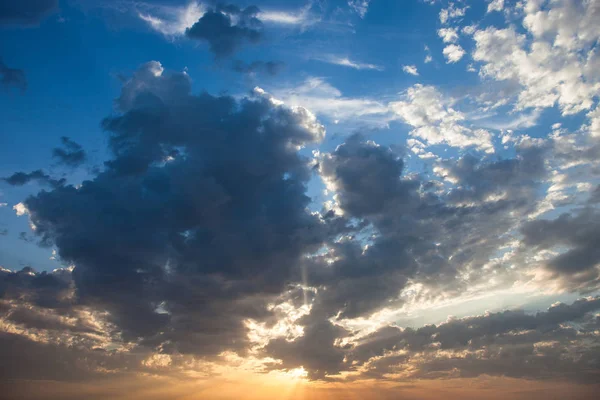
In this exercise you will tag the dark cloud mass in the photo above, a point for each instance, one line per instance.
(25, 12)
(226, 28)
(202, 209)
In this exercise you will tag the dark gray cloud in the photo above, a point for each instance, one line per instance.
(266, 67)
(25, 12)
(22, 178)
(12, 77)
(579, 232)
(226, 28)
(70, 154)
(201, 211)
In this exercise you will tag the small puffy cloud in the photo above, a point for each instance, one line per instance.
(410, 69)
(452, 12)
(448, 35)
(20, 209)
(453, 53)
(226, 28)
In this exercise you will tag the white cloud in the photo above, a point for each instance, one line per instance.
(436, 122)
(448, 35)
(170, 20)
(3, 204)
(559, 66)
(428, 57)
(495, 5)
(410, 69)
(346, 62)
(452, 12)
(359, 6)
(325, 100)
(302, 17)
(20, 209)
(453, 53)
(594, 117)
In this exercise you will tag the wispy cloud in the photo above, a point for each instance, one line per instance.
(359, 6)
(347, 62)
(170, 20)
(302, 17)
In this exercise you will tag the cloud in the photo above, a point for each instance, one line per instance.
(436, 122)
(554, 64)
(452, 12)
(579, 260)
(226, 28)
(346, 62)
(26, 13)
(326, 100)
(222, 239)
(361, 7)
(71, 154)
(302, 17)
(495, 5)
(448, 35)
(410, 69)
(12, 77)
(509, 343)
(453, 53)
(22, 178)
(170, 20)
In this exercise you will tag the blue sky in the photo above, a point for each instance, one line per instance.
(391, 163)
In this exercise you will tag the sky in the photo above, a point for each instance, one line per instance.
(326, 199)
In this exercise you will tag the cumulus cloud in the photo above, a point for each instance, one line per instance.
(410, 69)
(226, 28)
(436, 122)
(495, 5)
(452, 12)
(448, 35)
(453, 53)
(555, 66)
(174, 240)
